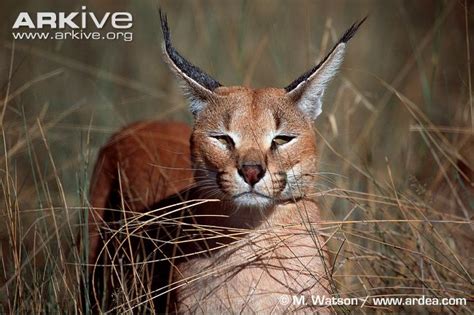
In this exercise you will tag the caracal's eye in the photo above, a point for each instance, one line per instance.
(225, 140)
(281, 140)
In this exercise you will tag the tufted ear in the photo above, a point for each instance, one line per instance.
(307, 91)
(198, 86)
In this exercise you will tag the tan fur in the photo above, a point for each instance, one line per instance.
(152, 161)
(141, 153)
(252, 275)
(278, 256)
(254, 161)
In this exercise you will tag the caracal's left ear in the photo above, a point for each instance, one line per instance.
(198, 86)
(307, 91)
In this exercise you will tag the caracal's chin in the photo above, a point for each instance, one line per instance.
(252, 200)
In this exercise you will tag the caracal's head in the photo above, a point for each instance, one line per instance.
(255, 147)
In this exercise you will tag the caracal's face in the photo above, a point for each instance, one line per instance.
(253, 148)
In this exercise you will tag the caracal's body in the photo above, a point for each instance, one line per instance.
(253, 152)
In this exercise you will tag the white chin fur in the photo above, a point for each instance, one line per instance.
(252, 200)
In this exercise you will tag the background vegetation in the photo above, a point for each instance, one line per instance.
(396, 134)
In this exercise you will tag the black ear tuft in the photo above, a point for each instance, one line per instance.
(181, 63)
(351, 31)
(344, 39)
(164, 28)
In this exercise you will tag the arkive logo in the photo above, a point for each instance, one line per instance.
(79, 25)
(73, 20)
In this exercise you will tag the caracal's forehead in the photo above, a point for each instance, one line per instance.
(252, 113)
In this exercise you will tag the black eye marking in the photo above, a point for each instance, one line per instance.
(225, 140)
(281, 140)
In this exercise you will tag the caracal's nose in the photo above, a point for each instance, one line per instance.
(252, 173)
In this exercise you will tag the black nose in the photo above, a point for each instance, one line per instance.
(252, 173)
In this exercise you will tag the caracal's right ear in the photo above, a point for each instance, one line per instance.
(198, 86)
(307, 91)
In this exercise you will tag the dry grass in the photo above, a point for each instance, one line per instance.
(396, 138)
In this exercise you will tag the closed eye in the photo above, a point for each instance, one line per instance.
(225, 140)
(281, 140)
